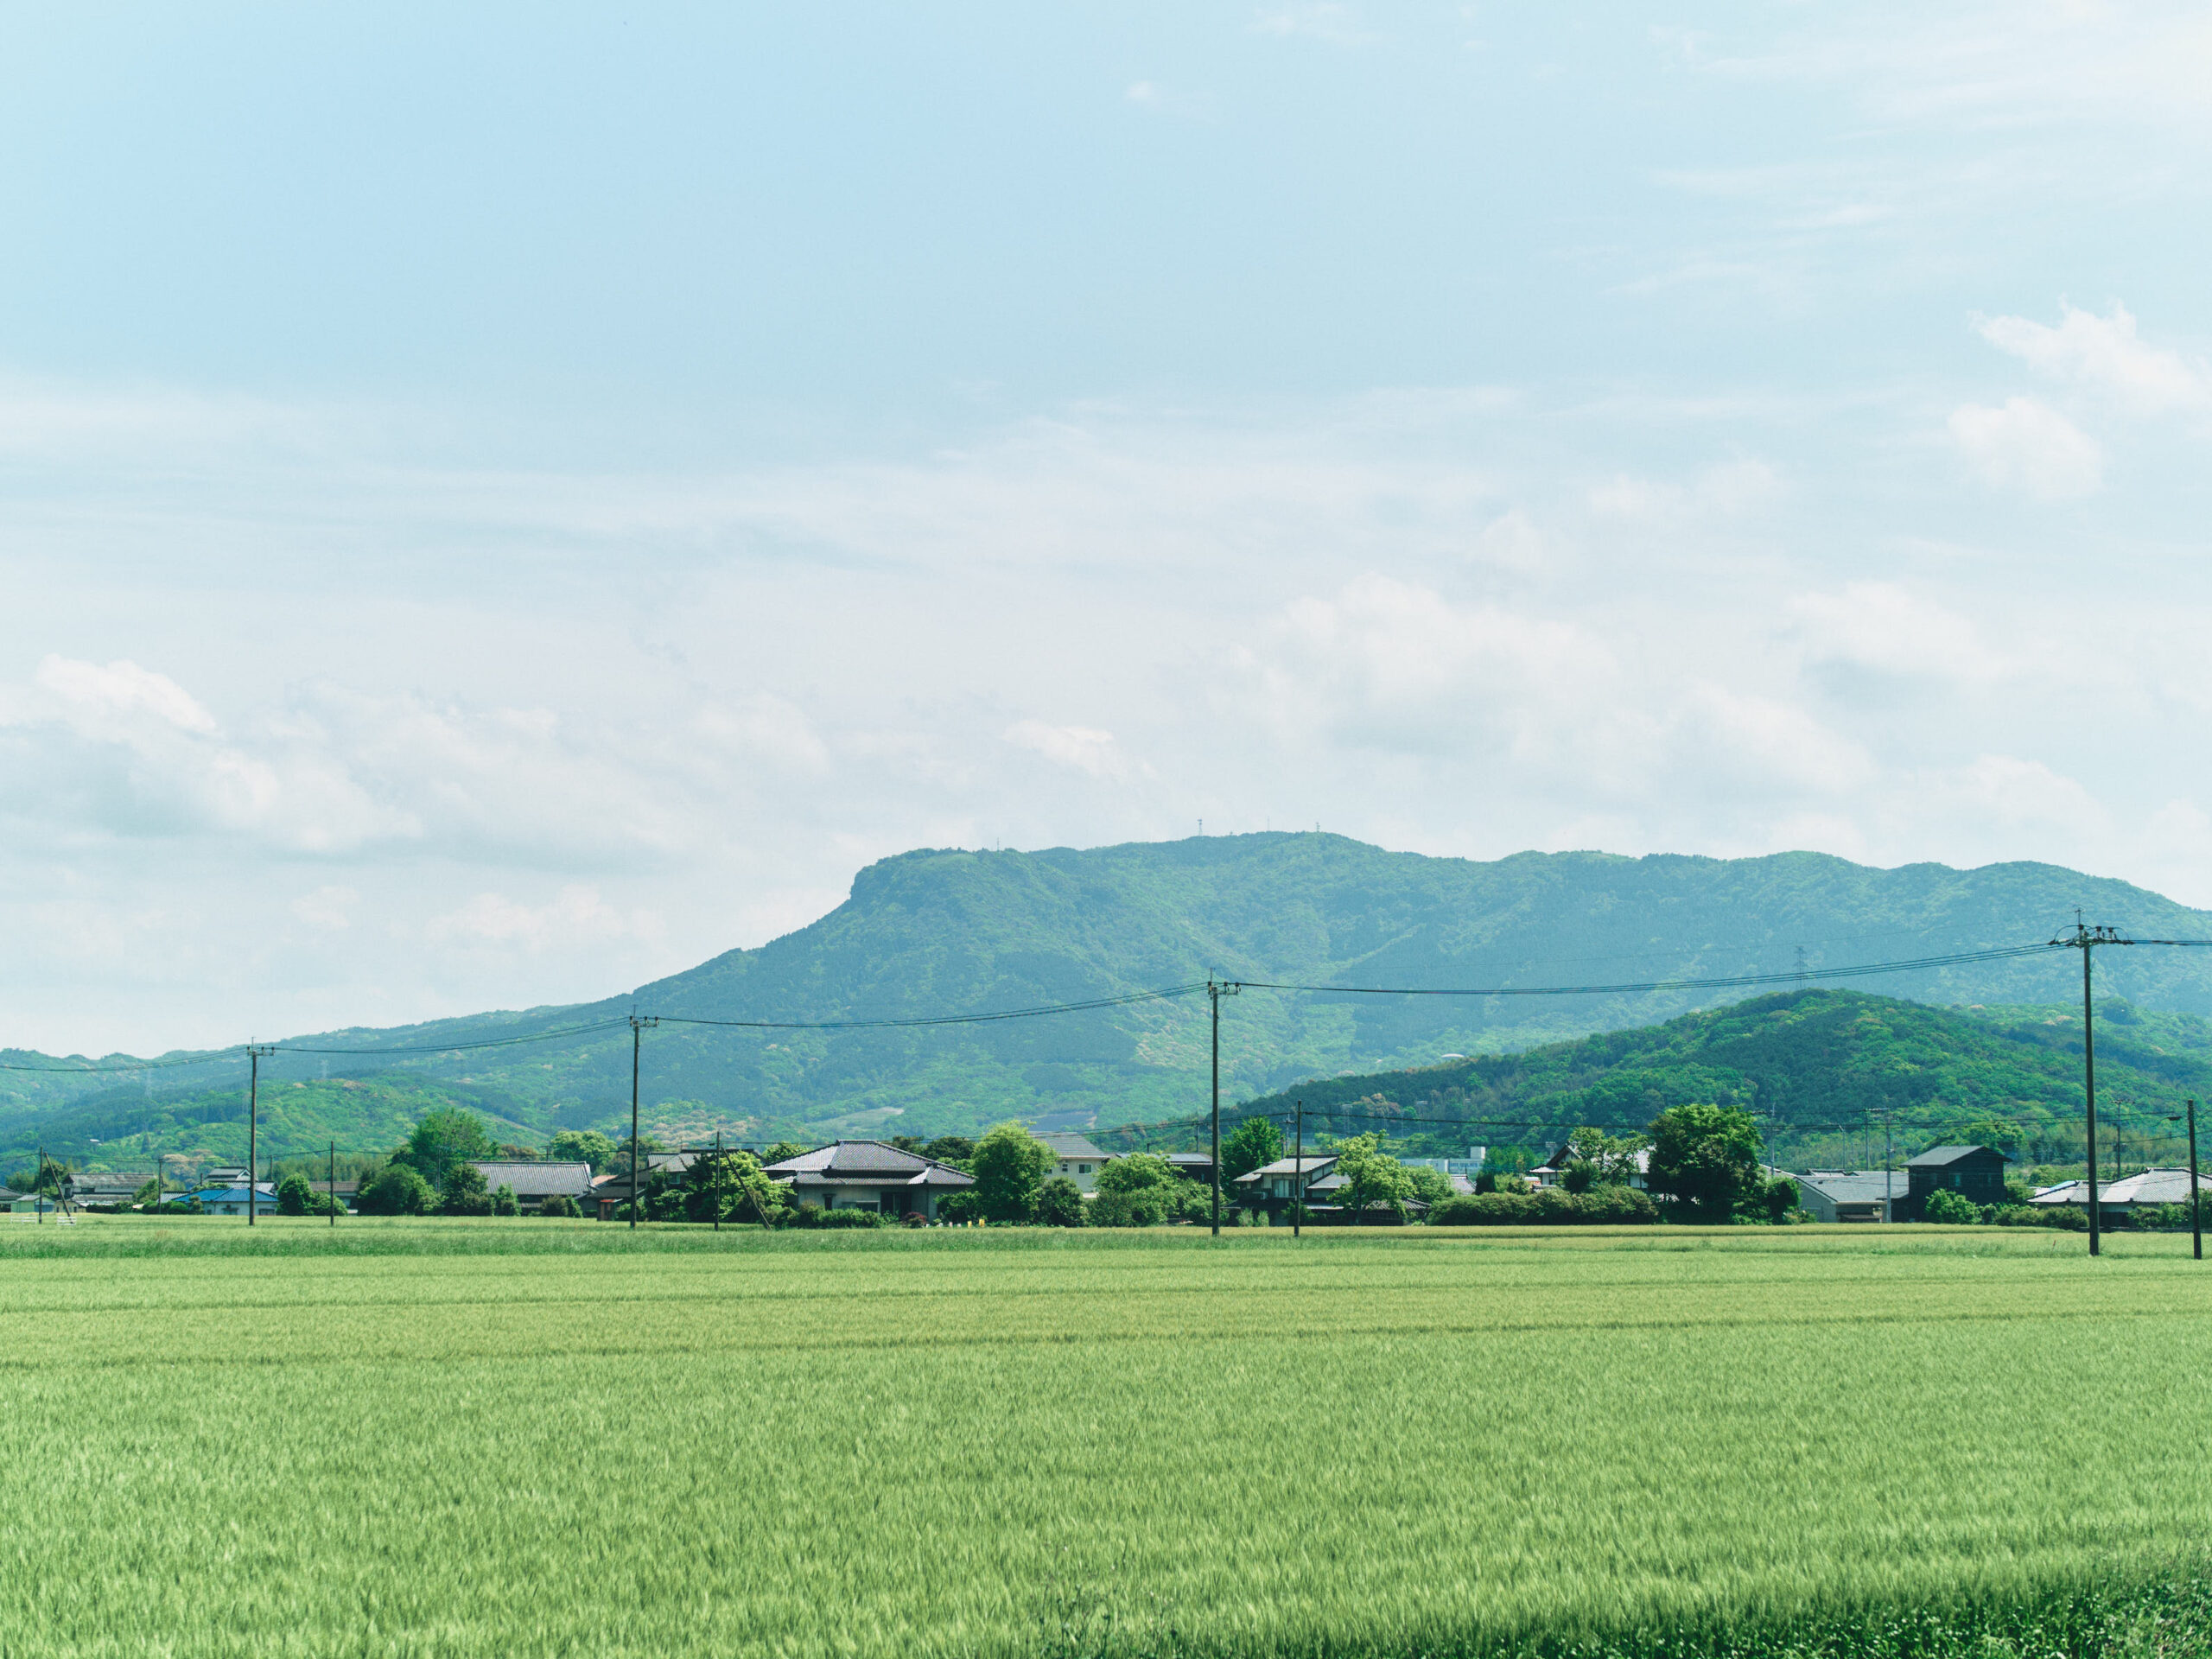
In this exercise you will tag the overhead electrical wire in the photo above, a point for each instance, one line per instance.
(1190, 989)
(1719, 981)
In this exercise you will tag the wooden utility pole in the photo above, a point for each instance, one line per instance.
(1298, 1173)
(254, 1051)
(1216, 990)
(2196, 1210)
(638, 1023)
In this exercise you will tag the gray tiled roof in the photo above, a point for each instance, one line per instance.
(538, 1177)
(1855, 1186)
(1073, 1146)
(1290, 1167)
(874, 1162)
(2152, 1186)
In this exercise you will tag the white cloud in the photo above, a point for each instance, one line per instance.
(1529, 702)
(1337, 25)
(578, 916)
(1730, 490)
(1882, 626)
(327, 907)
(123, 689)
(2026, 446)
(2106, 354)
(1082, 747)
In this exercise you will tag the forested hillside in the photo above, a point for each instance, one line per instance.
(1822, 1069)
(935, 933)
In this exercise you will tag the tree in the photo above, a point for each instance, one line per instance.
(1579, 1175)
(581, 1147)
(1956, 1210)
(1059, 1203)
(1780, 1198)
(465, 1193)
(781, 1150)
(1010, 1164)
(503, 1201)
(444, 1138)
(1373, 1179)
(1707, 1159)
(957, 1150)
(1430, 1186)
(1612, 1158)
(295, 1196)
(557, 1205)
(396, 1190)
(1142, 1189)
(732, 1180)
(1254, 1142)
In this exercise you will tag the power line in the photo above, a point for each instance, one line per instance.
(2002, 953)
(1190, 989)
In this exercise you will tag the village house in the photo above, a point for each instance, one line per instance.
(1191, 1165)
(1553, 1171)
(535, 1180)
(2130, 1194)
(870, 1175)
(231, 1201)
(1975, 1173)
(106, 1188)
(1849, 1194)
(1076, 1158)
(1272, 1186)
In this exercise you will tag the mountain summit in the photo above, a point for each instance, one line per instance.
(935, 933)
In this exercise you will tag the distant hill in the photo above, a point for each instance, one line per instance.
(125, 1128)
(943, 931)
(1822, 1068)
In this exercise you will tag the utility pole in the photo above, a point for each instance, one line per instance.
(254, 1051)
(334, 1182)
(38, 1186)
(638, 1024)
(1298, 1175)
(1889, 1176)
(718, 1180)
(2196, 1212)
(1216, 990)
(2086, 939)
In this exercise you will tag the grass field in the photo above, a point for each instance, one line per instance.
(533, 1437)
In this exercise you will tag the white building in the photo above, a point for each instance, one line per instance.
(1076, 1158)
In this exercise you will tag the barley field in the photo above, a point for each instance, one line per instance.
(477, 1438)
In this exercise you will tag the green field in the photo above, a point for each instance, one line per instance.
(536, 1438)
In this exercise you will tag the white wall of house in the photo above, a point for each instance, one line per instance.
(1084, 1172)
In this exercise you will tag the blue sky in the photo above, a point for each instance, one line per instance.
(499, 504)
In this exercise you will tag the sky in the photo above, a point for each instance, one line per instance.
(501, 502)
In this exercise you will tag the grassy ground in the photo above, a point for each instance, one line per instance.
(467, 1436)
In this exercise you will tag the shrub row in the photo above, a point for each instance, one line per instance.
(1546, 1207)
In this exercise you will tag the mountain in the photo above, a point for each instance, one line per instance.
(1822, 1068)
(935, 933)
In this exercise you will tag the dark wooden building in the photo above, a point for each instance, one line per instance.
(1975, 1173)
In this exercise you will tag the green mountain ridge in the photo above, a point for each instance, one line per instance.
(1824, 1070)
(934, 932)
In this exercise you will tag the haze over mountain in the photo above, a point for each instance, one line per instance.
(933, 932)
